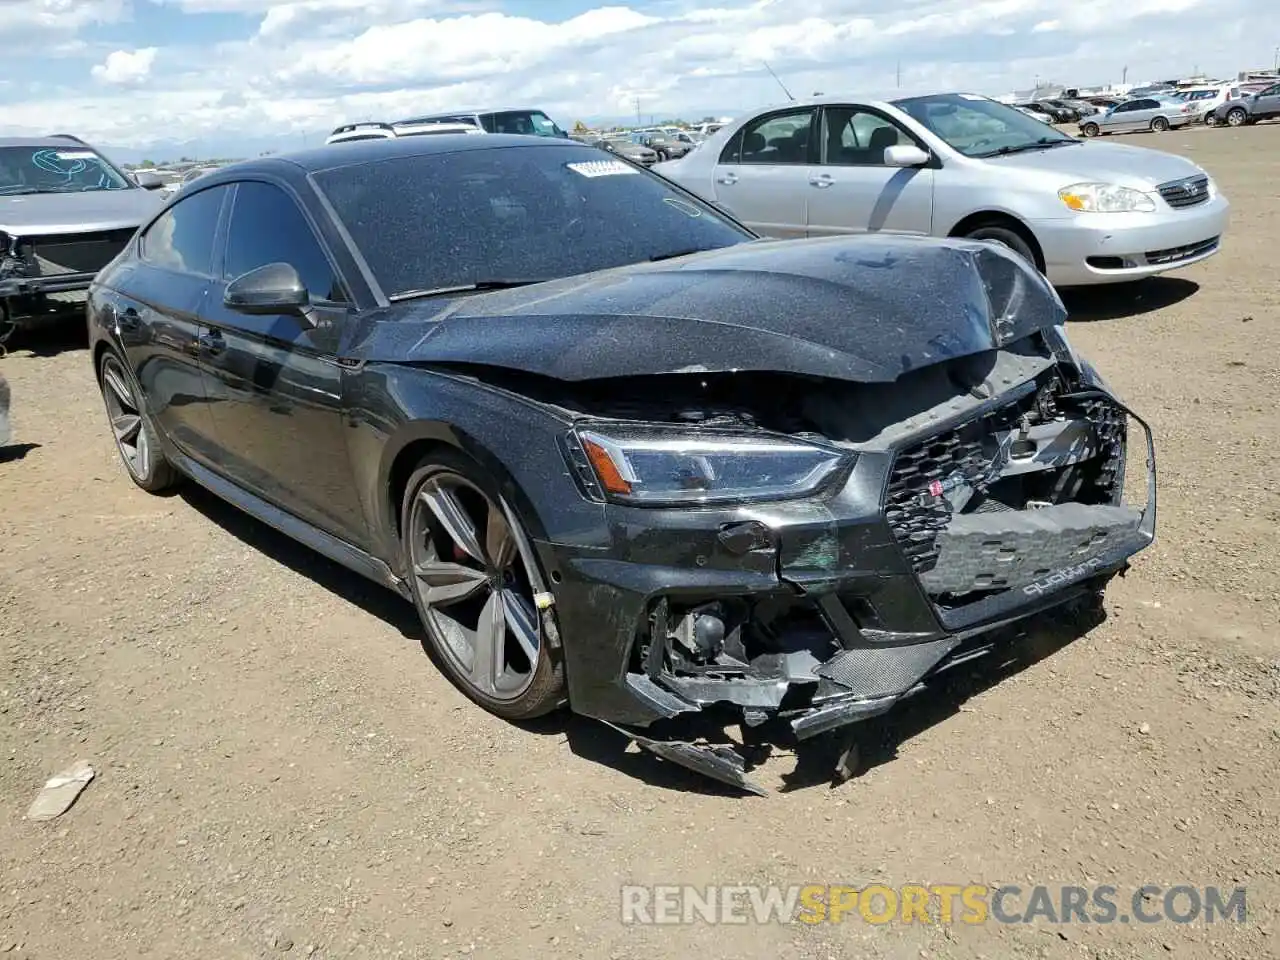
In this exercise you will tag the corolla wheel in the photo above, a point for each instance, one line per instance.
(130, 426)
(1237, 117)
(1090, 130)
(476, 582)
(1159, 124)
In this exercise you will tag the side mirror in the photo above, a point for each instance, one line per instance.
(148, 180)
(270, 289)
(905, 155)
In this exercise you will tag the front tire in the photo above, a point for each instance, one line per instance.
(1237, 117)
(477, 584)
(1006, 236)
(1159, 125)
(137, 440)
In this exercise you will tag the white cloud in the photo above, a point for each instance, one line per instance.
(123, 67)
(20, 17)
(307, 65)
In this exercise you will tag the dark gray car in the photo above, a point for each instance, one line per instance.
(635, 152)
(1262, 105)
(65, 212)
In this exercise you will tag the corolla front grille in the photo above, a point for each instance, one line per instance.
(1187, 192)
(1184, 252)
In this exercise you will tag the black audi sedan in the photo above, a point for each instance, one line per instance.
(619, 452)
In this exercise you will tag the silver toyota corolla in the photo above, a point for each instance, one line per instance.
(960, 165)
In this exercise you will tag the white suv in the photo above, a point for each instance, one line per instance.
(386, 131)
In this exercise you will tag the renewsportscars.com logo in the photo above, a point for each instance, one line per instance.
(928, 904)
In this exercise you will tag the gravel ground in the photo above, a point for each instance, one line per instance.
(282, 770)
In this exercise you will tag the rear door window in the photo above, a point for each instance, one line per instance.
(182, 239)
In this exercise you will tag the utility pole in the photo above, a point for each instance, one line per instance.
(898, 78)
(1277, 59)
(639, 121)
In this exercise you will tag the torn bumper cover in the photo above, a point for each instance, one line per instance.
(826, 612)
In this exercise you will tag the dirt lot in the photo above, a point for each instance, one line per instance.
(280, 768)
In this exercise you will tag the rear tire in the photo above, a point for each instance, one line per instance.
(1237, 117)
(137, 439)
(1005, 236)
(1089, 129)
(1159, 125)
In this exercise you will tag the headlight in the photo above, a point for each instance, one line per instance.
(661, 466)
(1105, 198)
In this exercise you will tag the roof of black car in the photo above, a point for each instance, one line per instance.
(364, 151)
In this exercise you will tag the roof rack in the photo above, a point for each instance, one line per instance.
(348, 127)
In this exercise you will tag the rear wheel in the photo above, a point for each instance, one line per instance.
(477, 585)
(1089, 129)
(137, 440)
(1159, 125)
(1006, 236)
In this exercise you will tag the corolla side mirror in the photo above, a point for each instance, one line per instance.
(148, 180)
(274, 288)
(905, 155)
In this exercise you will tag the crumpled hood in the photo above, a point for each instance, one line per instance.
(33, 214)
(864, 309)
(1096, 162)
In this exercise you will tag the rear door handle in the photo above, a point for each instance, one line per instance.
(728, 178)
(821, 180)
(211, 342)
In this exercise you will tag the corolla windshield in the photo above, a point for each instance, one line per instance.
(979, 127)
(440, 221)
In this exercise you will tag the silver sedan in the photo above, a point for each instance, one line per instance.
(960, 165)
(1144, 113)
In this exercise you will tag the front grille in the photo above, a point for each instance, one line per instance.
(1184, 252)
(917, 514)
(74, 252)
(1187, 192)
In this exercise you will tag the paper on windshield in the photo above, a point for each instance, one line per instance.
(601, 168)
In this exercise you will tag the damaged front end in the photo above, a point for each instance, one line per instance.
(969, 496)
(45, 275)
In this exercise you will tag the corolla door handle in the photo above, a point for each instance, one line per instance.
(821, 180)
(729, 178)
(211, 342)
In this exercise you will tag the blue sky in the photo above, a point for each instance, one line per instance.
(134, 73)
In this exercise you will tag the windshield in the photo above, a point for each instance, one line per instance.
(978, 127)
(511, 214)
(528, 122)
(70, 169)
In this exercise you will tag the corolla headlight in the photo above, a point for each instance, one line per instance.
(662, 466)
(1105, 198)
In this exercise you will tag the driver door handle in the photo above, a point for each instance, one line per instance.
(821, 180)
(729, 178)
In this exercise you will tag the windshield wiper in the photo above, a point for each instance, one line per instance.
(1042, 144)
(679, 253)
(475, 287)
